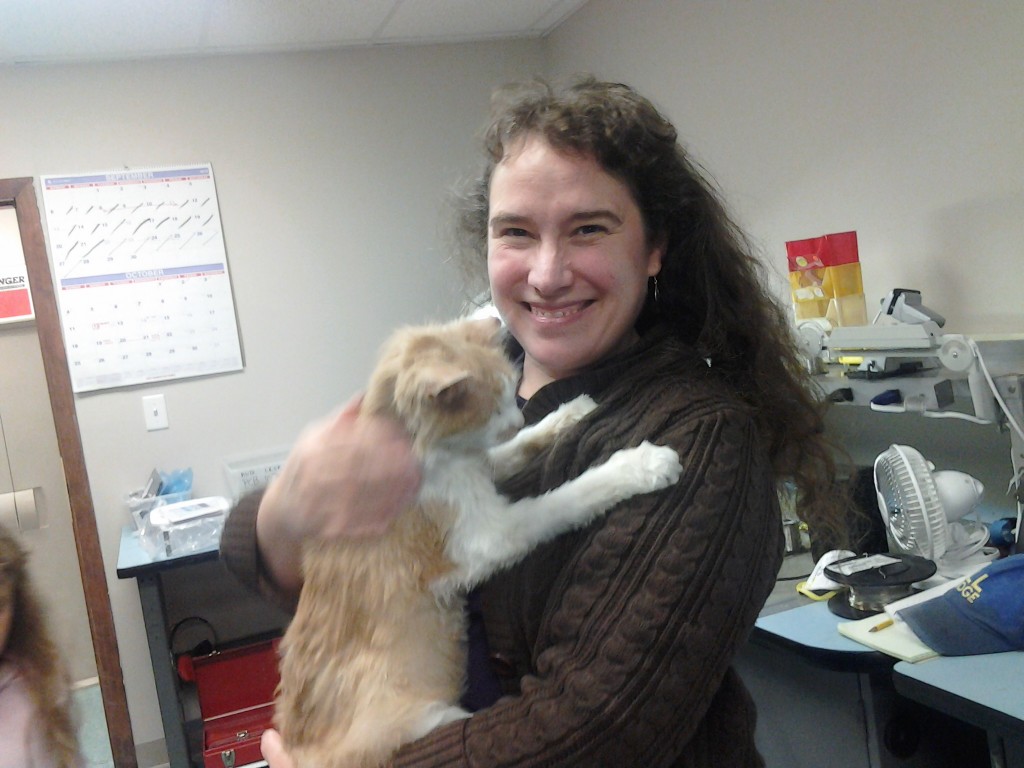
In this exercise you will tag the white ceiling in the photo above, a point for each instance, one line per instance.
(33, 31)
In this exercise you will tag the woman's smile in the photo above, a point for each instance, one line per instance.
(545, 313)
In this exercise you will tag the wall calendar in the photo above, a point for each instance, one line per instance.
(142, 276)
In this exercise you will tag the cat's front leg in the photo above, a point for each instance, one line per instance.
(627, 472)
(485, 543)
(511, 456)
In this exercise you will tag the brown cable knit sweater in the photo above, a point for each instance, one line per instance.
(615, 642)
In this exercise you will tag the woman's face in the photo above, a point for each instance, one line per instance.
(568, 260)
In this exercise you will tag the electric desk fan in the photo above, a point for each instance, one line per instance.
(923, 510)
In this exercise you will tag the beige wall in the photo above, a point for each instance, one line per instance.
(900, 120)
(331, 171)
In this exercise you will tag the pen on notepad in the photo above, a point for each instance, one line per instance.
(883, 625)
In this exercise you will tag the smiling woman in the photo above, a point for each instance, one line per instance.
(619, 276)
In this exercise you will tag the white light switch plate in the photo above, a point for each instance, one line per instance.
(155, 409)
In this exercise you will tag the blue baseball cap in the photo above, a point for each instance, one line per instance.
(985, 614)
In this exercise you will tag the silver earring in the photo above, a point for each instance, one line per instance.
(655, 289)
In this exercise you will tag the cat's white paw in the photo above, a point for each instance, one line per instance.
(661, 462)
(652, 467)
(572, 412)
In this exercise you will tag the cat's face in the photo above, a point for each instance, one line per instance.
(448, 383)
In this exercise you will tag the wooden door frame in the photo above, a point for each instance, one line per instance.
(20, 193)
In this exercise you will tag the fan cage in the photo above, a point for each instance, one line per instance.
(910, 502)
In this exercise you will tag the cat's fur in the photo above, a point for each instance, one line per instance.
(375, 655)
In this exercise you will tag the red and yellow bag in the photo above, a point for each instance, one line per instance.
(825, 279)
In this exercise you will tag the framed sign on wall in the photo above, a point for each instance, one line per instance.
(15, 298)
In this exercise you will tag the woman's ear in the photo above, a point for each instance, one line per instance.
(656, 254)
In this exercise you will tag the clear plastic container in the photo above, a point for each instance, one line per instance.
(140, 506)
(184, 528)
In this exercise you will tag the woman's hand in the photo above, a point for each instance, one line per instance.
(272, 748)
(348, 475)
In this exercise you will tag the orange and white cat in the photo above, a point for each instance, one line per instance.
(375, 655)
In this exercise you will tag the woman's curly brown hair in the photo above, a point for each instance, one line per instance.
(712, 290)
(35, 655)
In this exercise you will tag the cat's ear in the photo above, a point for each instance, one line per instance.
(450, 392)
(431, 382)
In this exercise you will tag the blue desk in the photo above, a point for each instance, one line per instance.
(985, 691)
(134, 562)
(810, 631)
(186, 586)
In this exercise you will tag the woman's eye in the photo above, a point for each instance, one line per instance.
(514, 232)
(590, 229)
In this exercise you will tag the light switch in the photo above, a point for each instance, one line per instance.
(155, 409)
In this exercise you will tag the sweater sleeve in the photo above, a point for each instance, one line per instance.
(629, 660)
(239, 551)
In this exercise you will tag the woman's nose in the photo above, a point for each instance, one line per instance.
(549, 270)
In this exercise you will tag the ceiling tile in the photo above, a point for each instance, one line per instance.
(248, 24)
(56, 29)
(471, 19)
(76, 30)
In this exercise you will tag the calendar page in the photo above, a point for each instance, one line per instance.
(141, 275)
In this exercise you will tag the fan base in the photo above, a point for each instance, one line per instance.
(839, 604)
(873, 581)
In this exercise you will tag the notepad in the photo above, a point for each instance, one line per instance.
(896, 640)
(899, 639)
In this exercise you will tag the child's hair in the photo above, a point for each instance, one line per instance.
(33, 652)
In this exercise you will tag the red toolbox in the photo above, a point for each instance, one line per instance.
(235, 689)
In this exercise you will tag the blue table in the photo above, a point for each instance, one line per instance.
(811, 631)
(133, 561)
(986, 691)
